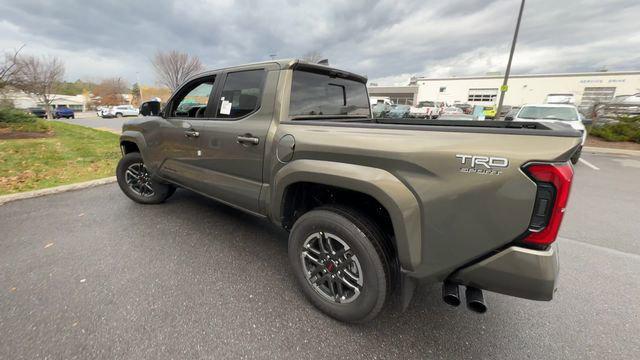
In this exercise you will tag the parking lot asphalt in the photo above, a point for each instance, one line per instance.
(90, 274)
(111, 124)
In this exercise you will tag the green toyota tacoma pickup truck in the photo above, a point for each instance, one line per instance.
(372, 206)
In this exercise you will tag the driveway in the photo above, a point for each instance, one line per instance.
(109, 124)
(90, 274)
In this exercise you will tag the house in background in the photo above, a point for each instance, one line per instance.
(23, 100)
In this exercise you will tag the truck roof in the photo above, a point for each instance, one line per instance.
(290, 64)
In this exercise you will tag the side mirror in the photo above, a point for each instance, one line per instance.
(508, 118)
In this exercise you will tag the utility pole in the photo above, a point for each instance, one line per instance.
(139, 86)
(504, 87)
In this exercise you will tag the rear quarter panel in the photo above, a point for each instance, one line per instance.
(462, 215)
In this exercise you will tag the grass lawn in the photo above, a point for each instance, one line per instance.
(73, 154)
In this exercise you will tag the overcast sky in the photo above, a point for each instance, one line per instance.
(386, 40)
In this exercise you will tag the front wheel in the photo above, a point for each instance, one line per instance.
(135, 181)
(338, 258)
(118, 115)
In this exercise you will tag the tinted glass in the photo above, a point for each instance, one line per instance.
(194, 102)
(315, 94)
(241, 93)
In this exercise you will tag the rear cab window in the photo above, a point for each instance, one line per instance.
(315, 95)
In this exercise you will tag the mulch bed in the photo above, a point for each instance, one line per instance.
(9, 135)
(598, 142)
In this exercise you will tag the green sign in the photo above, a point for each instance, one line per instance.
(504, 88)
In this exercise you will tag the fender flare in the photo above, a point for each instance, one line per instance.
(138, 139)
(134, 137)
(388, 190)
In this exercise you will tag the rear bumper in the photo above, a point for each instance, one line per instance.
(515, 271)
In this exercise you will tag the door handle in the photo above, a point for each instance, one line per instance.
(248, 139)
(191, 133)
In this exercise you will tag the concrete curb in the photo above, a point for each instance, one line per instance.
(610, 150)
(55, 190)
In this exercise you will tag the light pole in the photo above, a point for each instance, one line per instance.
(139, 86)
(504, 87)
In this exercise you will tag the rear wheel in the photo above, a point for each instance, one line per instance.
(118, 115)
(338, 258)
(135, 181)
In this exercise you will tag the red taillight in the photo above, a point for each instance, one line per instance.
(554, 183)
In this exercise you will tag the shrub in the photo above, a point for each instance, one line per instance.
(12, 115)
(626, 129)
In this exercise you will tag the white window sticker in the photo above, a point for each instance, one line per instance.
(225, 108)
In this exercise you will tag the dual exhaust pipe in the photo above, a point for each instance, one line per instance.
(474, 297)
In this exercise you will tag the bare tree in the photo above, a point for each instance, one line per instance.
(9, 68)
(313, 57)
(173, 67)
(110, 91)
(39, 76)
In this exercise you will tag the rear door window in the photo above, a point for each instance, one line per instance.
(241, 94)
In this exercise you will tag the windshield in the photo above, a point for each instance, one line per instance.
(425, 104)
(320, 95)
(401, 108)
(547, 112)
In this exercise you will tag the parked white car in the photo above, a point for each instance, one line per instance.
(426, 110)
(567, 114)
(119, 111)
(451, 110)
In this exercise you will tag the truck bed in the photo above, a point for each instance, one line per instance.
(490, 126)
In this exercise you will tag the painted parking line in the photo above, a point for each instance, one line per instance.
(589, 164)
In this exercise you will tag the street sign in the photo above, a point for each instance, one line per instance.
(504, 88)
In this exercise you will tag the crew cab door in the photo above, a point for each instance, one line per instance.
(233, 141)
(178, 142)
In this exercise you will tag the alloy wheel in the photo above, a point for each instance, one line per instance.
(331, 267)
(138, 179)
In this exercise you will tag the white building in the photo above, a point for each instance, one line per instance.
(22, 100)
(582, 88)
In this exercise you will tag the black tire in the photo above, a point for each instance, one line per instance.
(366, 242)
(159, 192)
(118, 115)
(576, 156)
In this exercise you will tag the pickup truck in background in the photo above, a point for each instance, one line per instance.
(372, 206)
(557, 113)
